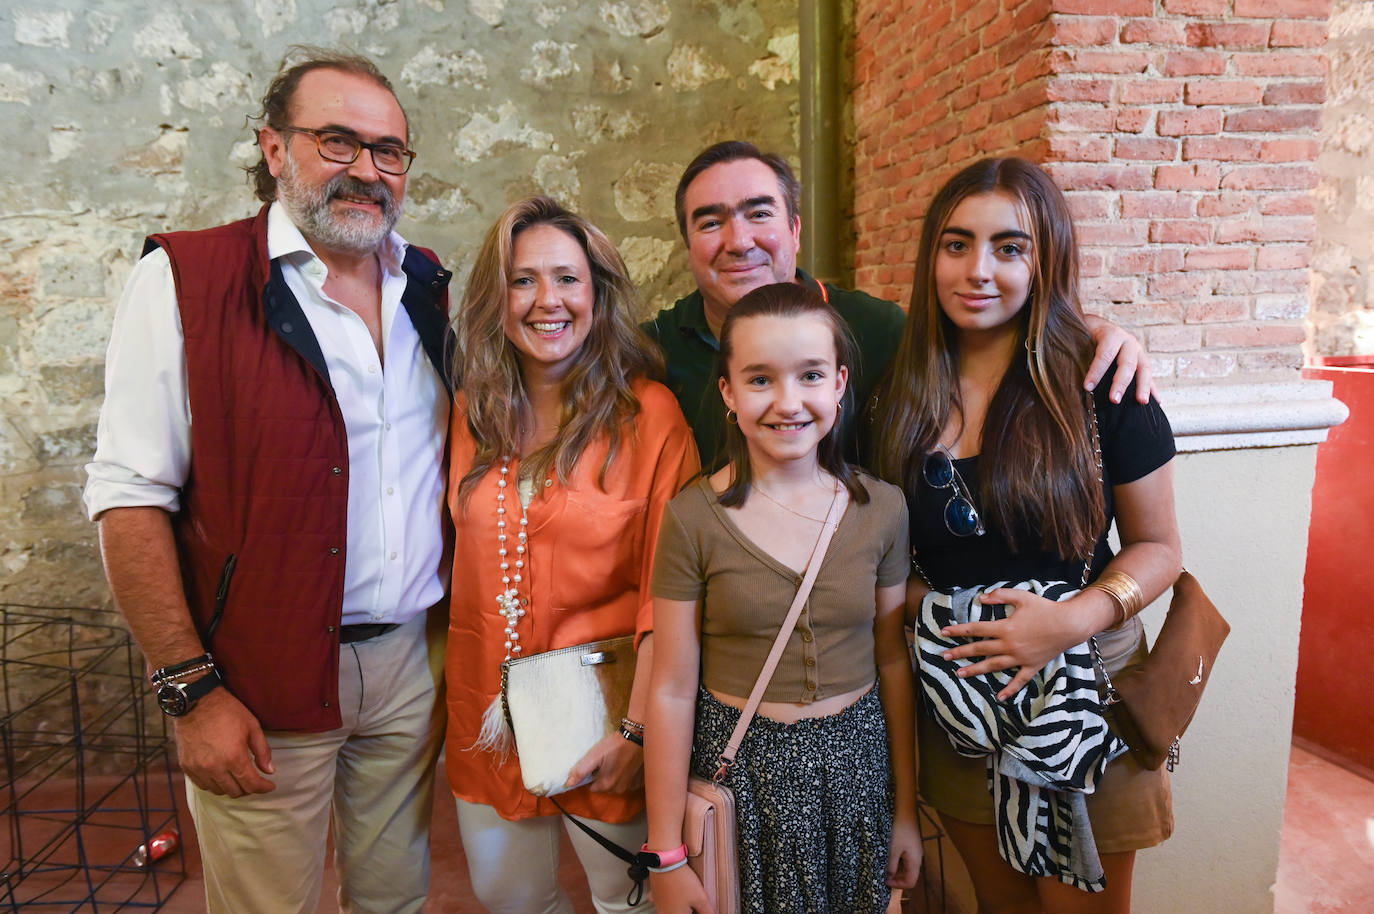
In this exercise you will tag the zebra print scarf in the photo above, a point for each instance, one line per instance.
(1046, 747)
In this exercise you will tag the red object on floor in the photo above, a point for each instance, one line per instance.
(1337, 638)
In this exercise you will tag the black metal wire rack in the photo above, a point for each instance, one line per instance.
(88, 775)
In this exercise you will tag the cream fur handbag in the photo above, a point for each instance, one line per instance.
(561, 703)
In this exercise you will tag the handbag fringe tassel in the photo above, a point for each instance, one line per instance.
(495, 735)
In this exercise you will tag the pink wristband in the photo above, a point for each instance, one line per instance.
(667, 858)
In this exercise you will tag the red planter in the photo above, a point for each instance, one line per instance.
(1333, 706)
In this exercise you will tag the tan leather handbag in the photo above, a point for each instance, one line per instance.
(1152, 704)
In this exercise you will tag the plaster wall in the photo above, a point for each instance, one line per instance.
(128, 116)
(1243, 516)
(1342, 318)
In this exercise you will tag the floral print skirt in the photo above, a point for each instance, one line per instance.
(813, 806)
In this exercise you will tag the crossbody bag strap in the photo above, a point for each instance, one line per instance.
(813, 567)
(1110, 695)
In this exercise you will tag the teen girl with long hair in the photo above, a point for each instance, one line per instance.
(984, 423)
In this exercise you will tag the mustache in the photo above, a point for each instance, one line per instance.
(347, 185)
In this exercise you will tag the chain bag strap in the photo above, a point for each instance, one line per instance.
(1152, 704)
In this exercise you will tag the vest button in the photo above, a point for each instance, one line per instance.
(329, 628)
(286, 327)
(333, 550)
(326, 704)
(338, 471)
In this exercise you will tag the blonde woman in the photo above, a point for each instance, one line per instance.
(565, 450)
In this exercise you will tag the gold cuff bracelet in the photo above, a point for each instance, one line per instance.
(1124, 591)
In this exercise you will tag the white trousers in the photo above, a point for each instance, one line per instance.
(372, 780)
(514, 865)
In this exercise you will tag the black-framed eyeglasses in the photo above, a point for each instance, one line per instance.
(961, 517)
(344, 149)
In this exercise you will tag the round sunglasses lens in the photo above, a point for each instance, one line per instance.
(938, 471)
(960, 517)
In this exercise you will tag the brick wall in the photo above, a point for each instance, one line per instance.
(1184, 132)
(936, 84)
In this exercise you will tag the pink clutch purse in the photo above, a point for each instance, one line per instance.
(708, 830)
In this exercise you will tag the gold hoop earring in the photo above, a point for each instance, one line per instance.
(732, 417)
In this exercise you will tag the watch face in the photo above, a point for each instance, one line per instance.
(171, 697)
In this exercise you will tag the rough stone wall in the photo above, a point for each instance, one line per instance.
(128, 117)
(1342, 318)
(1183, 131)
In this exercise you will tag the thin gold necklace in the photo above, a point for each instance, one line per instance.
(818, 520)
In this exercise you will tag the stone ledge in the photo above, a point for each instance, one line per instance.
(1222, 416)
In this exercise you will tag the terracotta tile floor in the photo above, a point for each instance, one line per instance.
(1326, 862)
(1326, 856)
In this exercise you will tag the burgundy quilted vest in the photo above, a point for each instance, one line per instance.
(262, 530)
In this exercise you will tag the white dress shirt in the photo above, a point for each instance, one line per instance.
(395, 413)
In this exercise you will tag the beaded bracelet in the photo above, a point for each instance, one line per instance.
(632, 730)
(173, 670)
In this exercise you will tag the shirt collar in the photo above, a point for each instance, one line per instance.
(694, 309)
(284, 239)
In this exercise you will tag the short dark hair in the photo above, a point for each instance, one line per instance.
(299, 60)
(733, 151)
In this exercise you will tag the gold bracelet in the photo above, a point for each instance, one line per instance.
(1125, 593)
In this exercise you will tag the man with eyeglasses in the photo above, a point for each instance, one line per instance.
(268, 483)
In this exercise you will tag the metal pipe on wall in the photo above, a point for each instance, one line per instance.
(822, 136)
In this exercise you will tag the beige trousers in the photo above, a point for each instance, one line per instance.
(514, 865)
(371, 780)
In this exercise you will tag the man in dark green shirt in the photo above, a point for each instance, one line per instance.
(737, 209)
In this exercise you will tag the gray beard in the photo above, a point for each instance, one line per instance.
(352, 231)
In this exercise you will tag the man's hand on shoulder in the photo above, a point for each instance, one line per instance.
(221, 747)
(1117, 345)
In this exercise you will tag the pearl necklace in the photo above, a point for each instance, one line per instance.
(509, 599)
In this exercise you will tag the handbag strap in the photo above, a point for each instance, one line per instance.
(813, 567)
(639, 865)
(1110, 696)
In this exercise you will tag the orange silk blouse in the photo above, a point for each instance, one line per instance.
(590, 560)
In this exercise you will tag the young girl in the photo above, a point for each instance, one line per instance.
(818, 829)
(983, 421)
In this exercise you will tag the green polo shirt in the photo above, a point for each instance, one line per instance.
(690, 349)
